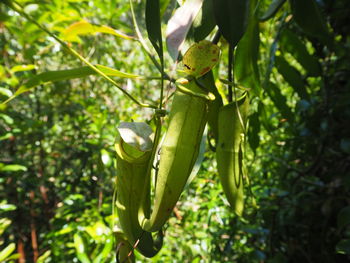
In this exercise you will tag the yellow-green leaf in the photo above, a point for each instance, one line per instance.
(83, 27)
(19, 68)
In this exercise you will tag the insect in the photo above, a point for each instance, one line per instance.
(187, 66)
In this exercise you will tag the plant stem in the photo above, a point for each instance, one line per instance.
(230, 73)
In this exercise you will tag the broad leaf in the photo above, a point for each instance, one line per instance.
(179, 24)
(231, 16)
(292, 76)
(289, 42)
(308, 16)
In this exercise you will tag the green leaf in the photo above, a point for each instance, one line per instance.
(7, 251)
(308, 16)
(12, 168)
(4, 207)
(179, 24)
(20, 68)
(5, 92)
(280, 101)
(289, 42)
(83, 27)
(204, 22)
(292, 76)
(80, 248)
(7, 119)
(60, 75)
(246, 56)
(343, 247)
(44, 256)
(153, 26)
(231, 16)
(4, 224)
(272, 10)
(105, 252)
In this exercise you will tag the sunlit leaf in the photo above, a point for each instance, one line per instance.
(60, 75)
(85, 28)
(5, 92)
(7, 207)
(20, 68)
(43, 257)
(80, 248)
(6, 252)
(12, 168)
(107, 248)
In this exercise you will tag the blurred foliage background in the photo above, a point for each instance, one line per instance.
(57, 159)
